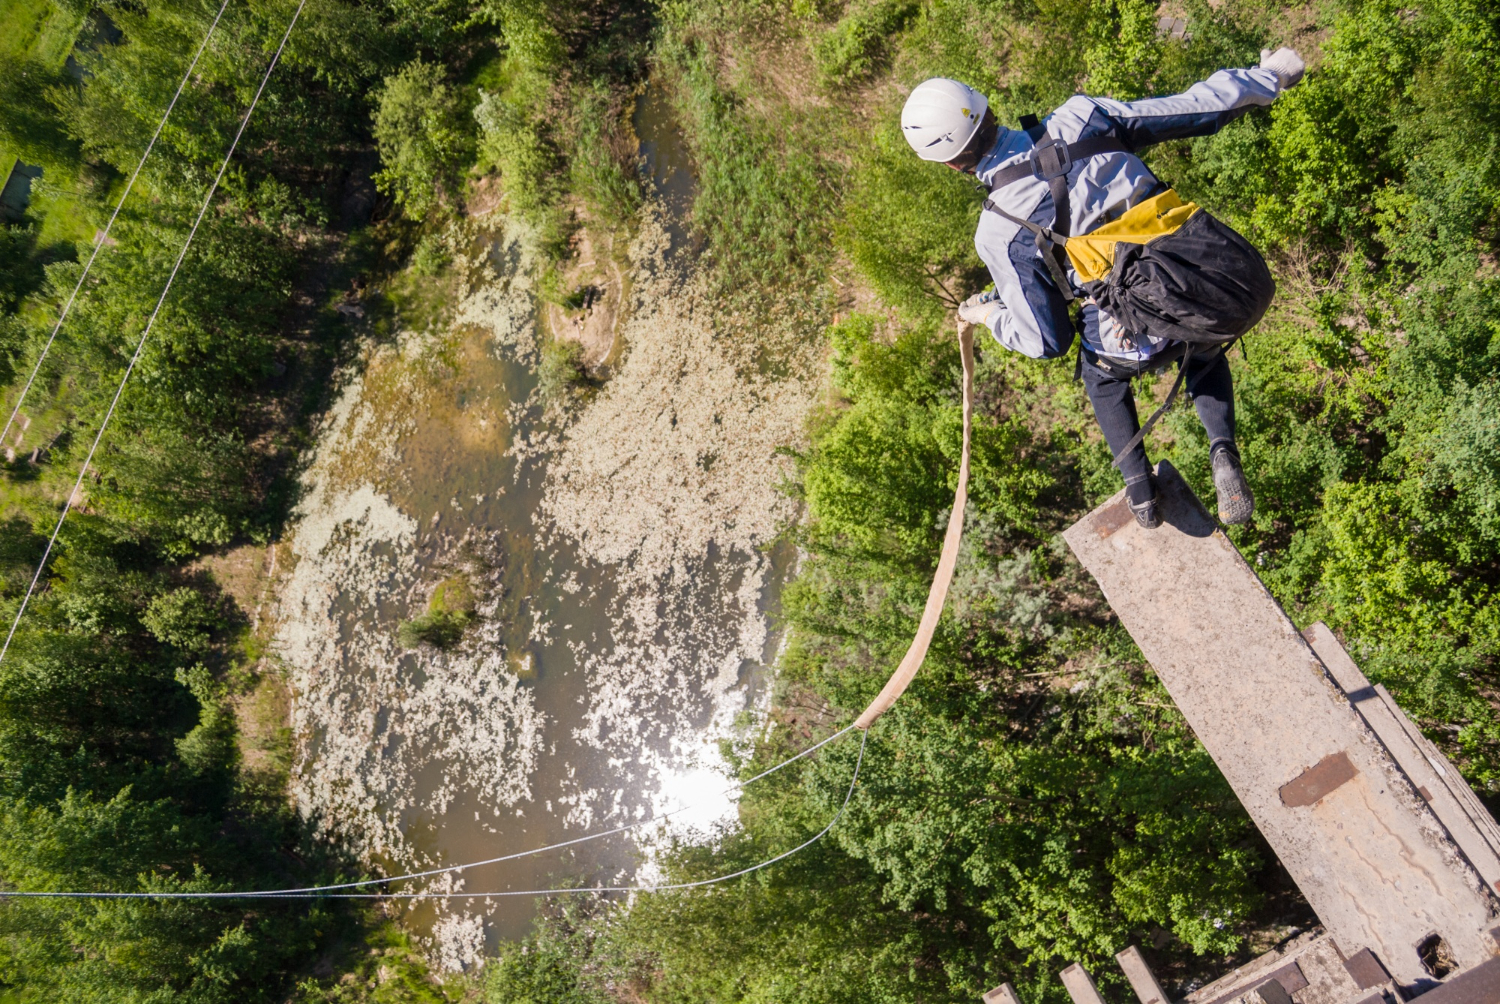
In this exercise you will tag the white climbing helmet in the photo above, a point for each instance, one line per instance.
(940, 118)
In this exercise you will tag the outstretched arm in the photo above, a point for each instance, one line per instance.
(1207, 106)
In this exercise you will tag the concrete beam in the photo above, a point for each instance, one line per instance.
(1003, 994)
(1438, 782)
(1361, 844)
(1080, 985)
(1269, 992)
(1142, 979)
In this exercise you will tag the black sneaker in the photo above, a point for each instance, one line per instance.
(1236, 502)
(1141, 497)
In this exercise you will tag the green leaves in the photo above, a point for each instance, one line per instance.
(879, 479)
(423, 138)
(1124, 48)
(857, 45)
(908, 226)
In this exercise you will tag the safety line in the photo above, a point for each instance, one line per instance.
(325, 891)
(864, 737)
(104, 234)
(83, 471)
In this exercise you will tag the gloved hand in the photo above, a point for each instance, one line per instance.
(981, 308)
(1285, 63)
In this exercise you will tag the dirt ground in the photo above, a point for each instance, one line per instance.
(595, 276)
(245, 574)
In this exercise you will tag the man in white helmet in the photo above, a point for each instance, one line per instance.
(1085, 162)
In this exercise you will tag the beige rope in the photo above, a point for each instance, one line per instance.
(943, 577)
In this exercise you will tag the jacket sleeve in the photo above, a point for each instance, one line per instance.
(1034, 317)
(1201, 110)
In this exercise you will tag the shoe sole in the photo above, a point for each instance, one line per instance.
(1148, 518)
(1236, 502)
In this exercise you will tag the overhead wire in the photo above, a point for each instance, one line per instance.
(146, 334)
(334, 891)
(103, 236)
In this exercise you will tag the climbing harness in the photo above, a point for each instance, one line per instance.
(1050, 161)
(1164, 266)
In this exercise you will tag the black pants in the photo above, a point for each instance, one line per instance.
(1208, 385)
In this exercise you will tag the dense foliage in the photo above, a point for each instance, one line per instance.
(122, 764)
(1034, 798)
(119, 766)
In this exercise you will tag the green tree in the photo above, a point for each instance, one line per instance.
(423, 141)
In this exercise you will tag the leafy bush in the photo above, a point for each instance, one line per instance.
(765, 197)
(1124, 50)
(910, 230)
(423, 140)
(602, 166)
(561, 374)
(513, 140)
(182, 618)
(855, 47)
(449, 612)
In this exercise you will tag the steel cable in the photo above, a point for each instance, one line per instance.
(146, 334)
(331, 891)
(104, 234)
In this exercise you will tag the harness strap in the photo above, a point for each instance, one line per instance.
(1135, 440)
(1048, 243)
(937, 595)
(1059, 161)
(1050, 161)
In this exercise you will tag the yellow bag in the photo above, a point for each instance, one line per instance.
(1093, 254)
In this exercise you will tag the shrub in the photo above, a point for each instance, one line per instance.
(423, 141)
(449, 612)
(908, 226)
(561, 374)
(182, 618)
(857, 45)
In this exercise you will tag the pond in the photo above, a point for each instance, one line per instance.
(623, 567)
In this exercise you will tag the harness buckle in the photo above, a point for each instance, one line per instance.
(1050, 159)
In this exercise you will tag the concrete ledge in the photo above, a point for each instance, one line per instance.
(1367, 852)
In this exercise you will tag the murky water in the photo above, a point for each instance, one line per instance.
(666, 162)
(602, 676)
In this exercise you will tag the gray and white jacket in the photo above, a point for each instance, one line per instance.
(1034, 320)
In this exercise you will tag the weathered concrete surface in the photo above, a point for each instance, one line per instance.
(1368, 854)
(1003, 994)
(1480, 985)
(1142, 979)
(1302, 967)
(1080, 985)
(1436, 780)
(1269, 992)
